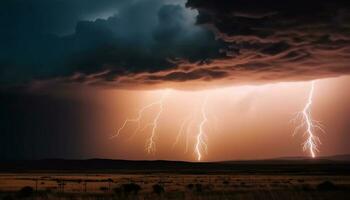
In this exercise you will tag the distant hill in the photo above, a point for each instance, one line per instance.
(339, 164)
(344, 157)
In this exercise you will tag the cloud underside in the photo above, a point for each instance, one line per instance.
(231, 42)
(265, 41)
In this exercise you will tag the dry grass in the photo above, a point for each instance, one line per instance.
(112, 186)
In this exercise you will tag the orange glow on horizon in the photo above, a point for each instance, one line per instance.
(243, 120)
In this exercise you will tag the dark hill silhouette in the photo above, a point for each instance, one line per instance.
(341, 157)
(329, 165)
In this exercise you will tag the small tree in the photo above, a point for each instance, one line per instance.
(190, 186)
(158, 189)
(104, 189)
(199, 187)
(131, 188)
(118, 191)
(110, 181)
(326, 185)
(25, 192)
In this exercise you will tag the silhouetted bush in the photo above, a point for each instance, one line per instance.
(158, 189)
(326, 185)
(7, 197)
(110, 180)
(208, 187)
(190, 186)
(306, 187)
(118, 191)
(48, 190)
(104, 189)
(25, 192)
(131, 188)
(199, 187)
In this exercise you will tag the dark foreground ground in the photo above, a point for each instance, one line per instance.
(116, 179)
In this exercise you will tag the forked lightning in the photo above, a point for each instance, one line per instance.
(310, 125)
(201, 136)
(150, 144)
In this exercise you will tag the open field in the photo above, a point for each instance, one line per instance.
(265, 180)
(91, 186)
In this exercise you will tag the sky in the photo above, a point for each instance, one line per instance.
(69, 81)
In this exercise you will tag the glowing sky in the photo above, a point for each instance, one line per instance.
(236, 70)
(244, 122)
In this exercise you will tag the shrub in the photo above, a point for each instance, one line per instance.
(118, 191)
(7, 197)
(48, 190)
(158, 189)
(199, 187)
(25, 192)
(326, 185)
(131, 188)
(306, 187)
(208, 187)
(190, 186)
(104, 189)
(109, 180)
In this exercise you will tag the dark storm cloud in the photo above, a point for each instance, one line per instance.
(32, 32)
(77, 40)
(279, 40)
(122, 43)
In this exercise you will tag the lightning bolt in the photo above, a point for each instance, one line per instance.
(150, 144)
(201, 137)
(185, 128)
(181, 131)
(310, 125)
(188, 130)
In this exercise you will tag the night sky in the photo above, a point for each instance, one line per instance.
(71, 71)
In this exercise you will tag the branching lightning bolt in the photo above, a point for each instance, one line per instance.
(312, 141)
(181, 131)
(185, 128)
(150, 144)
(201, 136)
(135, 120)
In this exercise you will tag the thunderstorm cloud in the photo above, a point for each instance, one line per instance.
(125, 43)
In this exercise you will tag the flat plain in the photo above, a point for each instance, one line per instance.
(236, 180)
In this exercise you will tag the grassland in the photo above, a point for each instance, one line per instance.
(257, 181)
(112, 186)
